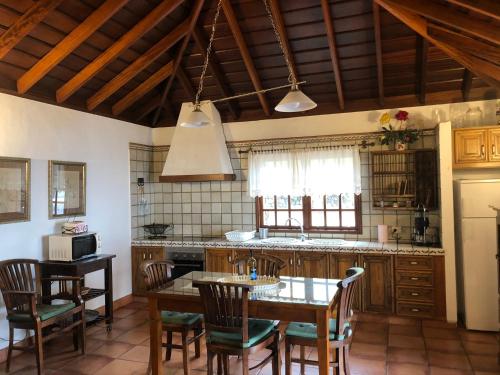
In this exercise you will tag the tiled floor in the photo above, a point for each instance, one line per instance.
(382, 345)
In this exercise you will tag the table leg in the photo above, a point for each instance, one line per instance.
(108, 286)
(323, 331)
(155, 336)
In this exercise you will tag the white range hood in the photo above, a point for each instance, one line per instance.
(198, 154)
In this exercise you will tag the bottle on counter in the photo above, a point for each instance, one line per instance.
(252, 266)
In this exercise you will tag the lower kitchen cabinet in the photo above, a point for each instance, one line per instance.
(311, 264)
(339, 264)
(219, 260)
(377, 284)
(288, 257)
(139, 255)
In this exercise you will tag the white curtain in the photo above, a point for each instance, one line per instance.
(318, 171)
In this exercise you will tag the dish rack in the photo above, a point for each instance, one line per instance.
(240, 235)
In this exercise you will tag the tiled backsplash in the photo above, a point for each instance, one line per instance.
(213, 208)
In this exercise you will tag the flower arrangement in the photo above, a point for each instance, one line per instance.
(399, 133)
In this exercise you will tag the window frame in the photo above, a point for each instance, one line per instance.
(307, 217)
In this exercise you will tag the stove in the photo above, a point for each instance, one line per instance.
(186, 259)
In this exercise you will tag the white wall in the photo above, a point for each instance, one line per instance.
(44, 132)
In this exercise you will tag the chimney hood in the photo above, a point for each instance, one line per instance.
(198, 154)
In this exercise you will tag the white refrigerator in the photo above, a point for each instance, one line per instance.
(477, 205)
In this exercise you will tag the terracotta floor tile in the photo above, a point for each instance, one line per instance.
(406, 356)
(449, 371)
(369, 351)
(406, 330)
(482, 337)
(129, 323)
(137, 354)
(88, 364)
(122, 367)
(123, 312)
(448, 360)
(438, 324)
(440, 333)
(485, 363)
(399, 320)
(105, 335)
(472, 347)
(374, 318)
(408, 342)
(370, 337)
(113, 349)
(448, 346)
(134, 337)
(406, 369)
(361, 366)
(372, 327)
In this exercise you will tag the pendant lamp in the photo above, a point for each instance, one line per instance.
(196, 118)
(295, 101)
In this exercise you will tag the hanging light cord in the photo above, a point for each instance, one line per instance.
(207, 54)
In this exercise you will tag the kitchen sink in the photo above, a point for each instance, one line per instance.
(282, 240)
(325, 242)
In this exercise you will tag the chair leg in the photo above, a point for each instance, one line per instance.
(288, 357)
(168, 353)
(82, 330)
(11, 344)
(39, 347)
(276, 354)
(347, 369)
(337, 356)
(197, 347)
(225, 362)
(210, 363)
(185, 352)
(219, 364)
(245, 362)
(76, 331)
(302, 359)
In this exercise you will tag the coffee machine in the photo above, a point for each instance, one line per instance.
(421, 225)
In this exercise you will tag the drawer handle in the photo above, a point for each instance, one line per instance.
(413, 263)
(414, 278)
(291, 261)
(229, 258)
(415, 294)
(355, 263)
(415, 310)
(482, 150)
(493, 149)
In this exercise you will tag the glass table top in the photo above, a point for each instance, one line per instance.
(295, 290)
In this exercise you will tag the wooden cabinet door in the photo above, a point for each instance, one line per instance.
(470, 146)
(312, 264)
(288, 257)
(339, 264)
(219, 260)
(494, 145)
(377, 292)
(139, 255)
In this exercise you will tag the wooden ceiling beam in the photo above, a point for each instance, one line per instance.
(69, 44)
(145, 87)
(245, 53)
(24, 24)
(217, 73)
(141, 63)
(185, 82)
(490, 8)
(330, 33)
(466, 84)
(141, 28)
(421, 64)
(378, 51)
(453, 18)
(488, 72)
(195, 13)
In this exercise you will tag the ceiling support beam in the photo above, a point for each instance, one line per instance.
(24, 24)
(466, 84)
(195, 13)
(490, 8)
(218, 75)
(330, 32)
(69, 44)
(378, 51)
(453, 18)
(185, 82)
(141, 28)
(245, 53)
(488, 72)
(421, 64)
(141, 63)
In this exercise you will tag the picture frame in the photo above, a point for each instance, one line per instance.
(67, 188)
(15, 189)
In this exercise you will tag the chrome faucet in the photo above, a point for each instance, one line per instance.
(302, 234)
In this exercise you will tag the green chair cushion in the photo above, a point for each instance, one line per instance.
(258, 329)
(309, 330)
(45, 312)
(178, 318)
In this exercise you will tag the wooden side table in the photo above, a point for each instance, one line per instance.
(80, 268)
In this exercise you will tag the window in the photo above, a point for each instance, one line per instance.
(330, 213)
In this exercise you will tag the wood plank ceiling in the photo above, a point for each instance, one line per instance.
(138, 60)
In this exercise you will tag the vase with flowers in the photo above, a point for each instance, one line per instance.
(397, 134)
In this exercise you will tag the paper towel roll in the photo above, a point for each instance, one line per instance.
(382, 233)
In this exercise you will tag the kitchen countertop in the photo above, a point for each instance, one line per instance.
(315, 244)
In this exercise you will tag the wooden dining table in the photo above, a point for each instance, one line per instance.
(299, 299)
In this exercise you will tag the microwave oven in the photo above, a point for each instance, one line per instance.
(70, 247)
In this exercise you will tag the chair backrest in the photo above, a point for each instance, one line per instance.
(18, 275)
(225, 307)
(157, 273)
(345, 298)
(267, 265)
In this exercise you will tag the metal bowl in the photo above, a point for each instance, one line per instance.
(156, 229)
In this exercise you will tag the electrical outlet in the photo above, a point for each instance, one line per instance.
(396, 230)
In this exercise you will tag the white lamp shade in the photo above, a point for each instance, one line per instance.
(295, 101)
(196, 119)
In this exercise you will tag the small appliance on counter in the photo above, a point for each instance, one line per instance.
(421, 225)
(70, 247)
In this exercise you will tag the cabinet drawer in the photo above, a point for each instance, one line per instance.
(415, 294)
(413, 278)
(414, 263)
(415, 309)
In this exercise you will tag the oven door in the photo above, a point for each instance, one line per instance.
(183, 267)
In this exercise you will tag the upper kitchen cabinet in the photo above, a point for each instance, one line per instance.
(402, 180)
(476, 147)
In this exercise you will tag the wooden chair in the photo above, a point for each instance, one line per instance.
(230, 331)
(304, 334)
(267, 265)
(158, 275)
(20, 284)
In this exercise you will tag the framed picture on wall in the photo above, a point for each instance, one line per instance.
(14, 189)
(67, 188)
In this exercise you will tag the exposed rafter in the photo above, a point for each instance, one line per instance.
(27, 22)
(185, 82)
(142, 27)
(490, 8)
(141, 63)
(421, 64)
(245, 53)
(69, 44)
(378, 51)
(218, 75)
(466, 84)
(180, 54)
(330, 32)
